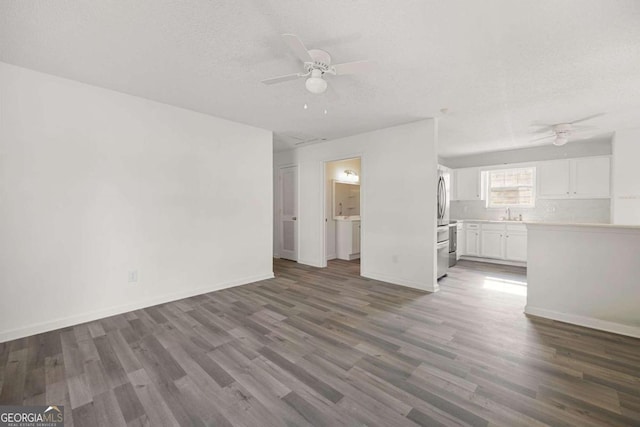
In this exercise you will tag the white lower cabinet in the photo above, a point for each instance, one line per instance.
(516, 246)
(492, 244)
(472, 240)
(347, 239)
(355, 237)
(495, 241)
(460, 241)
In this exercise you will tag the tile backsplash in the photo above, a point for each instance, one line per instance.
(578, 210)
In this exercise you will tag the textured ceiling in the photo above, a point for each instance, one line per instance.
(497, 65)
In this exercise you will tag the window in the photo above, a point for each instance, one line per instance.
(511, 188)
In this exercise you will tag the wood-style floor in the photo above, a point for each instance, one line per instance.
(327, 347)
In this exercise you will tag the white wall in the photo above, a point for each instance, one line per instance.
(593, 147)
(625, 173)
(398, 201)
(334, 171)
(95, 183)
(585, 275)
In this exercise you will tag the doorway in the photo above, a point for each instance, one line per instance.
(342, 209)
(288, 213)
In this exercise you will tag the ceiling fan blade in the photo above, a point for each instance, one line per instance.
(539, 124)
(586, 118)
(544, 130)
(353, 67)
(541, 138)
(281, 79)
(296, 45)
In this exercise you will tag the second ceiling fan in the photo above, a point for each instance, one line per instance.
(560, 133)
(316, 65)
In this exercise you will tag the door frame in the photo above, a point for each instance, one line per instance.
(279, 210)
(323, 195)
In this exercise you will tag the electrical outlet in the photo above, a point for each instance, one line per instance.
(133, 276)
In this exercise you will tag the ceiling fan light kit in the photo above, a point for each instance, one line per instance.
(560, 141)
(317, 64)
(316, 84)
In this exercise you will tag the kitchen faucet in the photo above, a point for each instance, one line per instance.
(509, 214)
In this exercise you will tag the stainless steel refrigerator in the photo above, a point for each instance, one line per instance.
(442, 235)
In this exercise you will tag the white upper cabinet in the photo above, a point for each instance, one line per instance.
(581, 178)
(591, 177)
(554, 179)
(453, 179)
(467, 182)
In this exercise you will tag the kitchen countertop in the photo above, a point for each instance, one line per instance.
(347, 218)
(553, 224)
(494, 221)
(585, 225)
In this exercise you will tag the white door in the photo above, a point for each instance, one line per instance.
(516, 246)
(591, 177)
(554, 180)
(289, 213)
(491, 246)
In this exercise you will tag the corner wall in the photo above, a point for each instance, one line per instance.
(398, 201)
(95, 184)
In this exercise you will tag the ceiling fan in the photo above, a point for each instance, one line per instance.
(561, 132)
(317, 64)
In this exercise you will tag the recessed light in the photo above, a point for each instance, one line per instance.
(325, 111)
(305, 106)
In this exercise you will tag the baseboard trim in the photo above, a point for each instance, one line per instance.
(587, 322)
(493, 261)
(330, 257)
(310, 263)
(400, 281)
(77, 319)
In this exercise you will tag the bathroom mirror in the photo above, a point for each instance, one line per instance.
(346, 199)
